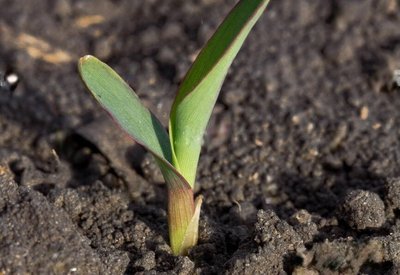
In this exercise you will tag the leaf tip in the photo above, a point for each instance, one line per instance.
(85, 59)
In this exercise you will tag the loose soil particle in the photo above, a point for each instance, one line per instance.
(363, 210)
(300, 166)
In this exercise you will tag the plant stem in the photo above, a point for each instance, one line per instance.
(180, 213)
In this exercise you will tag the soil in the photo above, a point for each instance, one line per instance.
(300, 169)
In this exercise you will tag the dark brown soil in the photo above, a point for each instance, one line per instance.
(301, 163)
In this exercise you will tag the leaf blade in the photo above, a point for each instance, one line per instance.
(115, 95)
(199, 90)
(121, 102)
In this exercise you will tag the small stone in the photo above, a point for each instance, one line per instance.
(184, 266)
(364, 112)
(147, 262)
(393, 193)
(363, 210)
(272, 231)
(303, 225)
(301, 217)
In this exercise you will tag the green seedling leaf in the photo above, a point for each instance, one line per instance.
(177, 154)
(116, 97)
(199, 90)
(124, 106)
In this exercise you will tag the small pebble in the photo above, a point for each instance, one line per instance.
(8, 81)
(301, 217)
(147, 262)
(363, 210)
(393, 193)
(184, 266)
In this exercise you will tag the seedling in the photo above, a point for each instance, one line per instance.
(177, 153)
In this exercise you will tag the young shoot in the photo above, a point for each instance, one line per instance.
(177, 152)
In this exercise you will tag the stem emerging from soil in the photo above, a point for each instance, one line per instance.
(183, 219)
